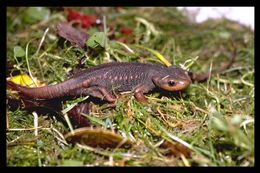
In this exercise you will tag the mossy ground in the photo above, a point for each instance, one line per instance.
(215, 118)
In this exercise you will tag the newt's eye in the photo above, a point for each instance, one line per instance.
(171, 83)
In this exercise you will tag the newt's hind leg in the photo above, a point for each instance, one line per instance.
(105, 94)
(95, 91)
(75, 114)
(99, 92)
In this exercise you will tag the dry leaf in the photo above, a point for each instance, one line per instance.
(25, 80)
(98, 137)
(176, 149)
(74, 36)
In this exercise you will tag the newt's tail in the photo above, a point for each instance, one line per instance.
(45, 92)
(13, 86)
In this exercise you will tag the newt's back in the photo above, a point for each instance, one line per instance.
(122, 76)
(109, 78)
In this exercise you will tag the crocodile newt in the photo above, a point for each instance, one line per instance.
(106, 80)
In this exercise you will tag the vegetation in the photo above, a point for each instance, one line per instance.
(213, 120)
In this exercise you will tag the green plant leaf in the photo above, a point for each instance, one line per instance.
(97, 39)
(92, 30)
(18, 51)
(34, 14)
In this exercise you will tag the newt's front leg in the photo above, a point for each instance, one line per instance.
(140, 97)
(139, 93)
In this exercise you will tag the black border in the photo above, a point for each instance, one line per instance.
(5, 3)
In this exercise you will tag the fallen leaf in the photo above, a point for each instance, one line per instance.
(176, 149)
(25, 80)
(74, 36)
(98, 137)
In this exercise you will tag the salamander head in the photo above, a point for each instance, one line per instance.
(172, 79)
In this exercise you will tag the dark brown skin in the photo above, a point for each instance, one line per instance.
(75, 115)
(104, 81)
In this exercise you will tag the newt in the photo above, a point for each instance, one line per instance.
(106, 80)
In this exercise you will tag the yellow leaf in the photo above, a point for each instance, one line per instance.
(157, 54)
(26, 80)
